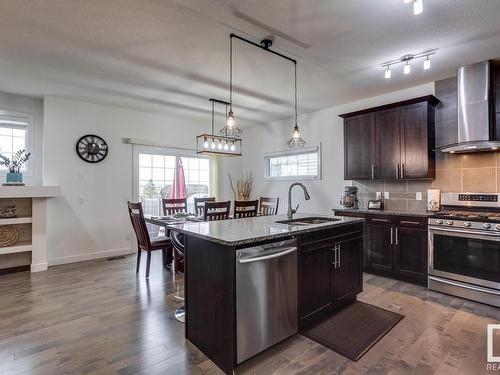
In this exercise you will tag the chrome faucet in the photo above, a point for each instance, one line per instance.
(291, 211)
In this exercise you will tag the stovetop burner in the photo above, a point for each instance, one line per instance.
(470, 215)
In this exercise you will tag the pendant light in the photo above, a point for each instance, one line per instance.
(296, 141)
(230, 129)
(212, 144)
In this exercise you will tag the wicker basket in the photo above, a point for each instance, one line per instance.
(8, 235)
(8, 211)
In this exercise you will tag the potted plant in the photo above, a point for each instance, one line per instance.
(14, 176)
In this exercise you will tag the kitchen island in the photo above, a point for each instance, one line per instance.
(250, 283)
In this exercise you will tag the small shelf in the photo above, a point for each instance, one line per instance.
(18, 247)
(16, 220)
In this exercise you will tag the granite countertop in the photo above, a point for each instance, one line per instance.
(238, 232)
(365, 211)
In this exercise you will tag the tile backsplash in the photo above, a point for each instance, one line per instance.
(475, 172)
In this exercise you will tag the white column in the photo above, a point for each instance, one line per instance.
(39, 235)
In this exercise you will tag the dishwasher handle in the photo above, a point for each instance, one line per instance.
(266, 257)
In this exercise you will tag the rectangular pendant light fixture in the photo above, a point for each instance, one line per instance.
(221, 145)
(208, 144)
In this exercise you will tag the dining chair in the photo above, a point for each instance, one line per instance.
(199, 205)
(245, 209)
(172, 206)
(216, 211)
(144, 242)
(268, 206)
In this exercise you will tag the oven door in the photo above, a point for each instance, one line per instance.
(465, 255)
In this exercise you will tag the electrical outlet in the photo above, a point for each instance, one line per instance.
(418, 195)
(81, 200)
(378, 195)
(386, 195)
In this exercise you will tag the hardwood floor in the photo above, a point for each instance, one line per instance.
(97, 317)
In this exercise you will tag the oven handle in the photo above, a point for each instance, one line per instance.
(461, 231)
(466, 286)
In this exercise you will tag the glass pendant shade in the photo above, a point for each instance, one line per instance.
(231, 122)
(296, 140)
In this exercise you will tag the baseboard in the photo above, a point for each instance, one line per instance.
(39, 267)
(90, 256)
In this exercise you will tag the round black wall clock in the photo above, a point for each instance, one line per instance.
(92, 148)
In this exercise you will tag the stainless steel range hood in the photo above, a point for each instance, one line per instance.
(475, 119)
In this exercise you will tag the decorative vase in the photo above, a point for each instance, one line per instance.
(14, 177)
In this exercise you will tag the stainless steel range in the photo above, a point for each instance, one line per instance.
(464, 247)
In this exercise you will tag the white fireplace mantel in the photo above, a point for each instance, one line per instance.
(37, 219)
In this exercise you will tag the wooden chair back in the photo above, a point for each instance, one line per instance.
(172, 206)
(141, 230)
(199, 205)
(268, 206)
(245, 208)
(216, 211)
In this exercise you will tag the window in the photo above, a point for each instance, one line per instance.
(13, 136)
(155, 173)
(291, 164)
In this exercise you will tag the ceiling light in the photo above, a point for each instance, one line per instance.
(296, 141)
(212, 144)
(427, 63)
(387, 74)
(407, 68)
(418, 7)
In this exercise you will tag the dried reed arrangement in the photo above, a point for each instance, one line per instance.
(243, 186)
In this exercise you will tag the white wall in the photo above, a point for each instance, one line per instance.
(323, 126)
(33, 107)
(100, 226)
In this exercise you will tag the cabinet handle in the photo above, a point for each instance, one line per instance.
(381, 220)
(392, 236)
(409, 222)
(397, 171)
(396, 236)
(334, 249)
(340, 255)
(373, 172)
(402, 170)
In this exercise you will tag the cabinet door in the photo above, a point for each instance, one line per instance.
(314, 276)
(347, 277)
(387, 143)
(358, 149)
(415, 141)
(411, 252)
(379, 238)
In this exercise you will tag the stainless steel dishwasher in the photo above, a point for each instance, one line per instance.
(266, 296)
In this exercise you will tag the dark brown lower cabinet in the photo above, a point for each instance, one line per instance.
(411, 253)
(396, 246)
(378, 253)
(330, 273)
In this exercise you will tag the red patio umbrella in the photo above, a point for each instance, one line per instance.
(179, 184)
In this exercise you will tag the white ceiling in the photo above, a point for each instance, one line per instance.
(172, 55)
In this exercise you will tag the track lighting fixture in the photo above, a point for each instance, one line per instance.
(407, 60)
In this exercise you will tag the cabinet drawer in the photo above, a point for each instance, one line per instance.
(412, 222)
(379, 220)
(316, 241)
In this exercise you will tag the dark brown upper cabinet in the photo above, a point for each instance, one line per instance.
(359, 155)
(391, 142)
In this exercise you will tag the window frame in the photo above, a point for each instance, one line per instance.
(28, 141)
(290, 152)
(165, 151)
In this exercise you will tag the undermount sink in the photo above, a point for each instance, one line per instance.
(308, 220)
